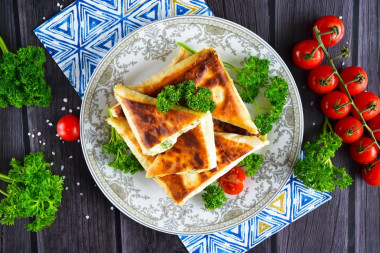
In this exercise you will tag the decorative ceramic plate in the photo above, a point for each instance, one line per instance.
(145, 52)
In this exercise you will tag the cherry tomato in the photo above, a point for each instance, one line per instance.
(68, 128)
(319, 79)
(363, 150)
(371, 173)
(351, 73)
(329, 23)
(335, 105)
(349, 129)
(301, 54)
(233, 182)
(374, 124)
(369, 102)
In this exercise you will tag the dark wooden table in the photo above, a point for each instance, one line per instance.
(349, 222)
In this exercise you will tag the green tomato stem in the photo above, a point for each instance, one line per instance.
(330, 60)
(3, 46)
(326, 125)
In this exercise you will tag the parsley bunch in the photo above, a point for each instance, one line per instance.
(316, 169)
(196, 98)
(23, 77)
(117, 147)
(33, 192)
(213, 196)
(252, 163)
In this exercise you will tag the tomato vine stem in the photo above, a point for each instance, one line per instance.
(345, 53)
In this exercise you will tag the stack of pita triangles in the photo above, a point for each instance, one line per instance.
(182, 150)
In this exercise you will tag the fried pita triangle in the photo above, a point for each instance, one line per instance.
(206, 69)
(154, 131)
(193, 152)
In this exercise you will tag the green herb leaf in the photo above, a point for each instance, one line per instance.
(213, 196)
(253, 163)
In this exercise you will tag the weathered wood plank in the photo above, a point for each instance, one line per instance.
(72, 231)
(13, 238)
(367, 198)
(326, 229)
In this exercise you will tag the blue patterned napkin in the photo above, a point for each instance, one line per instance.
(81, 35)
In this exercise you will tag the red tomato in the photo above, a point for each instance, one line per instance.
(371, 173)
(363, 150)
(326, 24)
(335, 105)
(349, 129)
(233, 182)
(374, 124)
(369, 102)
(319, 79)
(68, 128)
(301, 54)
(351, 73)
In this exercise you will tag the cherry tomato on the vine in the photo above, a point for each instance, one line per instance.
(335, 105)
(371, 173)
(368, 103)
(321, 80)
(349, 129)
(363, 150)
(330, 23)
(352, 73)
(302, 56)
(68, 128)
(374, 124)
(233, 181)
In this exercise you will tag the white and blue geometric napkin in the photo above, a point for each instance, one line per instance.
(81, 35)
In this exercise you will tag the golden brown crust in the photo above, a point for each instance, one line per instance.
(206, 70)
(193, 152)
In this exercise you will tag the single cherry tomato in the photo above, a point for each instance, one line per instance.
(233, 182)
(68, 128)
(369, 102)
(349, 129)
(321, 80)
(374, 124)
(363, 150)
(302, 54)
(335, 105)
(352, 73)
(371, 173)
(330, 23)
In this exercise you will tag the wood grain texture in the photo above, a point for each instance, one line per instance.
(367, 222)
(349, 222)
(13, 238)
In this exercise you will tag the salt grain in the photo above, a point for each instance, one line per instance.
(65, 100)
(78, 140)
(43, 143)
(50, 124)
(43, 18)
(71, 157)
(57, 135)
(32, 135)
(47, 121)
(66, 188)
(87, 217)
(111, 208)
(340, 17)
(29, 134)
(39, 133)
(63, 177)
(63, 108)
(342, 63)
(81, 194)
(78, 108)
(53, 153)
(70, 111)
(51, 163)
(39, 141)
(313, 123)
(62, 167)
(311, 103)
(78, 183)
(58, 5)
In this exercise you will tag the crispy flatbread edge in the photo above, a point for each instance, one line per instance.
(121, 125)
(253, 140)
(207, 127)
(124, 92)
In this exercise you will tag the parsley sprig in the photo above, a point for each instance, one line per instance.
(33, 192)
(316, 169)
(252, 163)
(124, 160)
(214, 196)
(186, 93)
